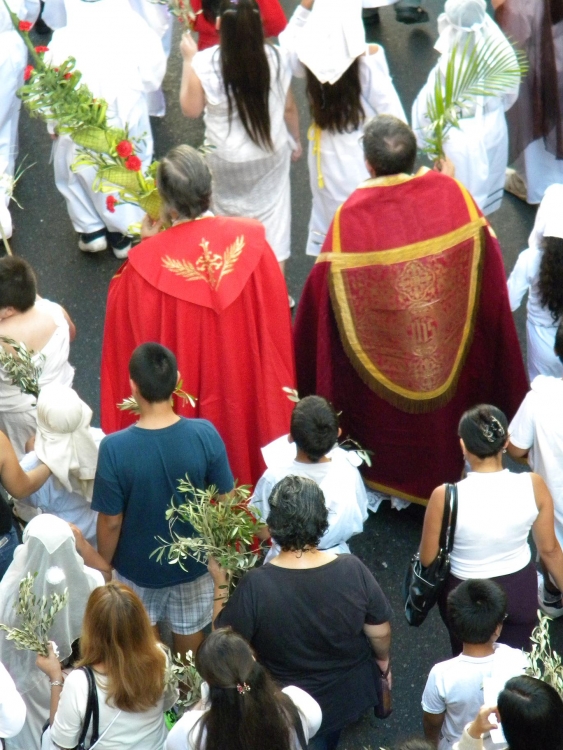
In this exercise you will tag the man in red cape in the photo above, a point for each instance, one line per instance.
(211, 291)
(404, 322)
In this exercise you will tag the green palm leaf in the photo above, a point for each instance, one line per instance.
(490, 69)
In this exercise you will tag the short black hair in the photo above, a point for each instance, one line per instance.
(558, 346)
(475, 609)
(298, 515)
(389, 146)
(314, 427)
(484, 430)
(154, 370)
(531, 712)
(18, 286)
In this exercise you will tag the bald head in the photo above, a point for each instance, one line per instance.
(389, 146)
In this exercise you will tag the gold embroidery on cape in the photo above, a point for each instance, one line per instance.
(406, 315)
(209, 267)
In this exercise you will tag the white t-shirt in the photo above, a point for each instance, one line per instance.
(129, 731)
(12, 707)
(339, 479)
(538, 425)
(231, 141)
(495, 514)
(181, 736)
(456, 687)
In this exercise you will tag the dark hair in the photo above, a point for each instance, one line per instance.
(475, 609)
(558, 345)
(298, 516)
(184, 182)
(417, 743)
(484, 430)
(337, 107)
(210, 9)
(246, 705)
(389, 146)
(550, 281)
(18, 286)
(314, 427)
(531, 712)
(154, 371)
(245, 68)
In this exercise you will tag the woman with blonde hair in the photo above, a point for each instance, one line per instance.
(129, 668)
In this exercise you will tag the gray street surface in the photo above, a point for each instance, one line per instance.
(44, 235)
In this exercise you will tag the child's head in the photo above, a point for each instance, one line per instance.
(314, 427)
(476, 608)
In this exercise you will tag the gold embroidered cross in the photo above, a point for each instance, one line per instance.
(209, 267)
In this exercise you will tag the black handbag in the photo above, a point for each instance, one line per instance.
(422, 586)
(91, 716)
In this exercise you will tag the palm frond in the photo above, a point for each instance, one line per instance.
(489, 69)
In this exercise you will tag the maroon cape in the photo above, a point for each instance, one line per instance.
(415, 448)
(212, 292)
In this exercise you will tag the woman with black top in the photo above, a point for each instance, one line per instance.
(316, 620)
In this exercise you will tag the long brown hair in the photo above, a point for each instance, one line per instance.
(118, 634)
(245, 68)
(248, 711)
(550, 281)
(337, 107)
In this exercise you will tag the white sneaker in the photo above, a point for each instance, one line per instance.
(548, 603)
(94, 242)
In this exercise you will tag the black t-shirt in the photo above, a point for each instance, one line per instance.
(306, 627)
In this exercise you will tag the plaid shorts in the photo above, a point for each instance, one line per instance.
(188, 607)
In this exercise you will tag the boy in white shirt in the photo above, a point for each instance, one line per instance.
(456, 689)
(311, 450)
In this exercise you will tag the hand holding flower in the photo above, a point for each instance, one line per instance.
(188, 47)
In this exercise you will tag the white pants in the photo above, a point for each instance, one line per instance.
(540, 170)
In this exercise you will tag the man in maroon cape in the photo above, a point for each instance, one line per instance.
(210, 289)
(404, 322)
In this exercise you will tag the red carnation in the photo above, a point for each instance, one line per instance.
(256, 545)
(27, 72)
(133, 163)
(67, 76)
(124, 149)
(41, 49)
(25, 25)
(111, 202)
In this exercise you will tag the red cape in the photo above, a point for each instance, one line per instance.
(233, 342)
(413, 452)
(273, 20)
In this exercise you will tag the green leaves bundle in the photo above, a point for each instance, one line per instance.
(488, 69)
(36, 616)
(184, 675)
(24, 367)
(129, 404)
(544, 662)
(226, 530)
(180, 9)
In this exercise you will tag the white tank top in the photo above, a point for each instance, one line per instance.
(495, 514)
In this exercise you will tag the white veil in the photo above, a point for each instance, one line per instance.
(49, 550)
(464, 19)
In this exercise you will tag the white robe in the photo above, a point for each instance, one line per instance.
(160, 20)
(131, 67)
(479, 148)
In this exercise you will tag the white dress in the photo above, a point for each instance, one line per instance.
(131, 66)
(341, 483)
(479, 148)
(18, 414)
(183, 737)
(248, 180)
(336, 160)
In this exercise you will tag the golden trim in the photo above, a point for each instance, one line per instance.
(396, 493)
(392, 179)
(336, 246)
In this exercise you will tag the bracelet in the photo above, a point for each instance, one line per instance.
(56, 683)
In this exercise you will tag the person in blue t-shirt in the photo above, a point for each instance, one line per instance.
(137, 477)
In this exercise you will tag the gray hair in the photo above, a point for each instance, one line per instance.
(389, 146)
(184, 182)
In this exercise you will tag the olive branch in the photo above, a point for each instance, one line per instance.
(544, 663)
(24, 367)
(130, 404)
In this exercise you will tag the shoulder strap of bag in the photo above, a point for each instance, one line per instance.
(444, 532)
(92, 712)
(453, 517)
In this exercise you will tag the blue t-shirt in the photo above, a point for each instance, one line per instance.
(138, 475)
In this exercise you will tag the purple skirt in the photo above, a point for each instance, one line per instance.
(521, 589)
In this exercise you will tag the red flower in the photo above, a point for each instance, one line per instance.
(256, 544)
(41, 49)
(27, 72)
(238, 546)
(133, 163)
(25, 26)
(124, 149)
(67, 76)
(111, 202)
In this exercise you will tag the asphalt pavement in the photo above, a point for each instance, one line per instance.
(44, 236)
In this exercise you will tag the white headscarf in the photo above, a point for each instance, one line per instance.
(549, 218)
(49, 550)
(462, 18)
(63, 440)
(332, 39)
